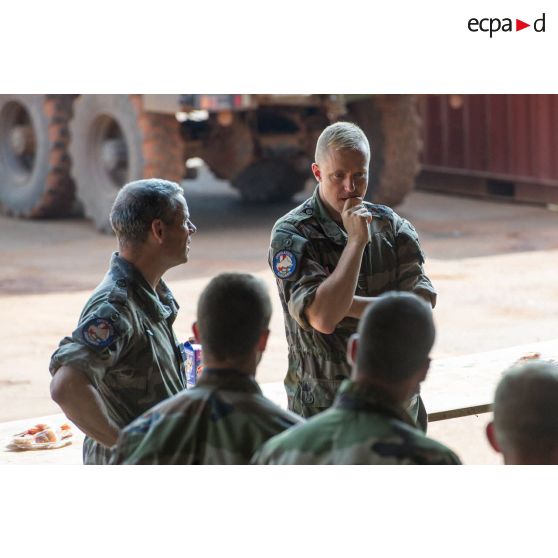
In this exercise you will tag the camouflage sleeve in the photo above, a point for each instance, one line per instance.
(297, 271)
(96, 345)
(264, 456)
(135, 442)
(410, 260)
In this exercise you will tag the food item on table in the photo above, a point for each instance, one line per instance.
(43, 436)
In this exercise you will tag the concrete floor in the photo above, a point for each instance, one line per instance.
(494, 265)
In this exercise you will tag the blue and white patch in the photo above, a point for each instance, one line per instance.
(98, 333)
(284, 264)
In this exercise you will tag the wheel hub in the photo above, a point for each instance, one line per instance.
(17, 142)
(111, 150)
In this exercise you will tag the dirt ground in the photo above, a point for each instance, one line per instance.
(494, 265)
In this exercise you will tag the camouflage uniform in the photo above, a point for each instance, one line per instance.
(125, 345)
(313, 242)
(223, 420)
(359, 429)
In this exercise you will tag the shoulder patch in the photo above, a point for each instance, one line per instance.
(284, 264)
(98, 333)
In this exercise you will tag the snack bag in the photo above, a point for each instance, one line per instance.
(193, 363)
(43, 436)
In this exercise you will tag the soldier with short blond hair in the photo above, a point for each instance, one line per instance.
(332, 256)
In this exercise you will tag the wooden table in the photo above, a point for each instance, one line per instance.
(455, 387)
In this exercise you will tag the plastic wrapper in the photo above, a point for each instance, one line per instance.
(42, 436)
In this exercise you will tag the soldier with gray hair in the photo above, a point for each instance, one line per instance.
(368, 423)
(525, 424)
(225, 418)
(123, 357)
(332, 257)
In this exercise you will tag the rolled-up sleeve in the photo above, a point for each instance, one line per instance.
(296, 290)
(92, 358)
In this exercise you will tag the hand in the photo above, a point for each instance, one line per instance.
(356, 219)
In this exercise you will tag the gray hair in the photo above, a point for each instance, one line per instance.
(526, 408)
(396, 334)
(233, 310)
(341, 135)
(139, 203)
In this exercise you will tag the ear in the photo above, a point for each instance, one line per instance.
(262, 341)
(157, 229)
(196, 331)
(491, 435)
(352, 347)
(316, 172)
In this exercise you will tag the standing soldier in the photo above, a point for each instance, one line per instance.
(332, 256)
(124, 357)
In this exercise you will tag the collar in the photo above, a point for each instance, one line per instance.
(352, 396)
(228, 379)
(159, 303)
(329, 226)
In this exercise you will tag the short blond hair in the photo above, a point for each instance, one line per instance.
(341, 135)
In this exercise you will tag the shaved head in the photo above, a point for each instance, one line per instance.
(526, 410)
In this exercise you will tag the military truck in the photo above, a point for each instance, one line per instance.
(61, 152)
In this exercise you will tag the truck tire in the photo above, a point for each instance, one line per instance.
(269, 180)
(113, 140)
(392, 125)
(34, 164)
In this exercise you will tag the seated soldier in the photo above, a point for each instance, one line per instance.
(368, 423)
(525, 424)
(225, 418)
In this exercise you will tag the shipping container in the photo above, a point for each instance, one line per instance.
(502, 146)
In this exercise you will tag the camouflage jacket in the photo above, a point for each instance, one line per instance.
(359, 429)
(306, 245)
(125, 345)
(223, 420)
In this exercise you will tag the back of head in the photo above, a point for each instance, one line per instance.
(396, 334)
(233, 310)
(341, 135)
(139, 203)
(526, 411)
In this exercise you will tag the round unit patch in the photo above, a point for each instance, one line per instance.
(98, 333)
(284, 264)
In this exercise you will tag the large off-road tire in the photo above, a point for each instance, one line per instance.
(392, 125)
(113, 140)
(269, 180)
(34, 164)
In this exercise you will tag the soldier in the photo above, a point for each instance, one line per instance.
(368, 423)
(525, 425)
(332, 256)
(225, 418)
(124, 357)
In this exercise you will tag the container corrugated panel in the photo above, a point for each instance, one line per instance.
(506, 137)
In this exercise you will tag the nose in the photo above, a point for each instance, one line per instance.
(349, 184)
(191, 227)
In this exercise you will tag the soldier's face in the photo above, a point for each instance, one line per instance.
(179, 234)
(342, 174)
